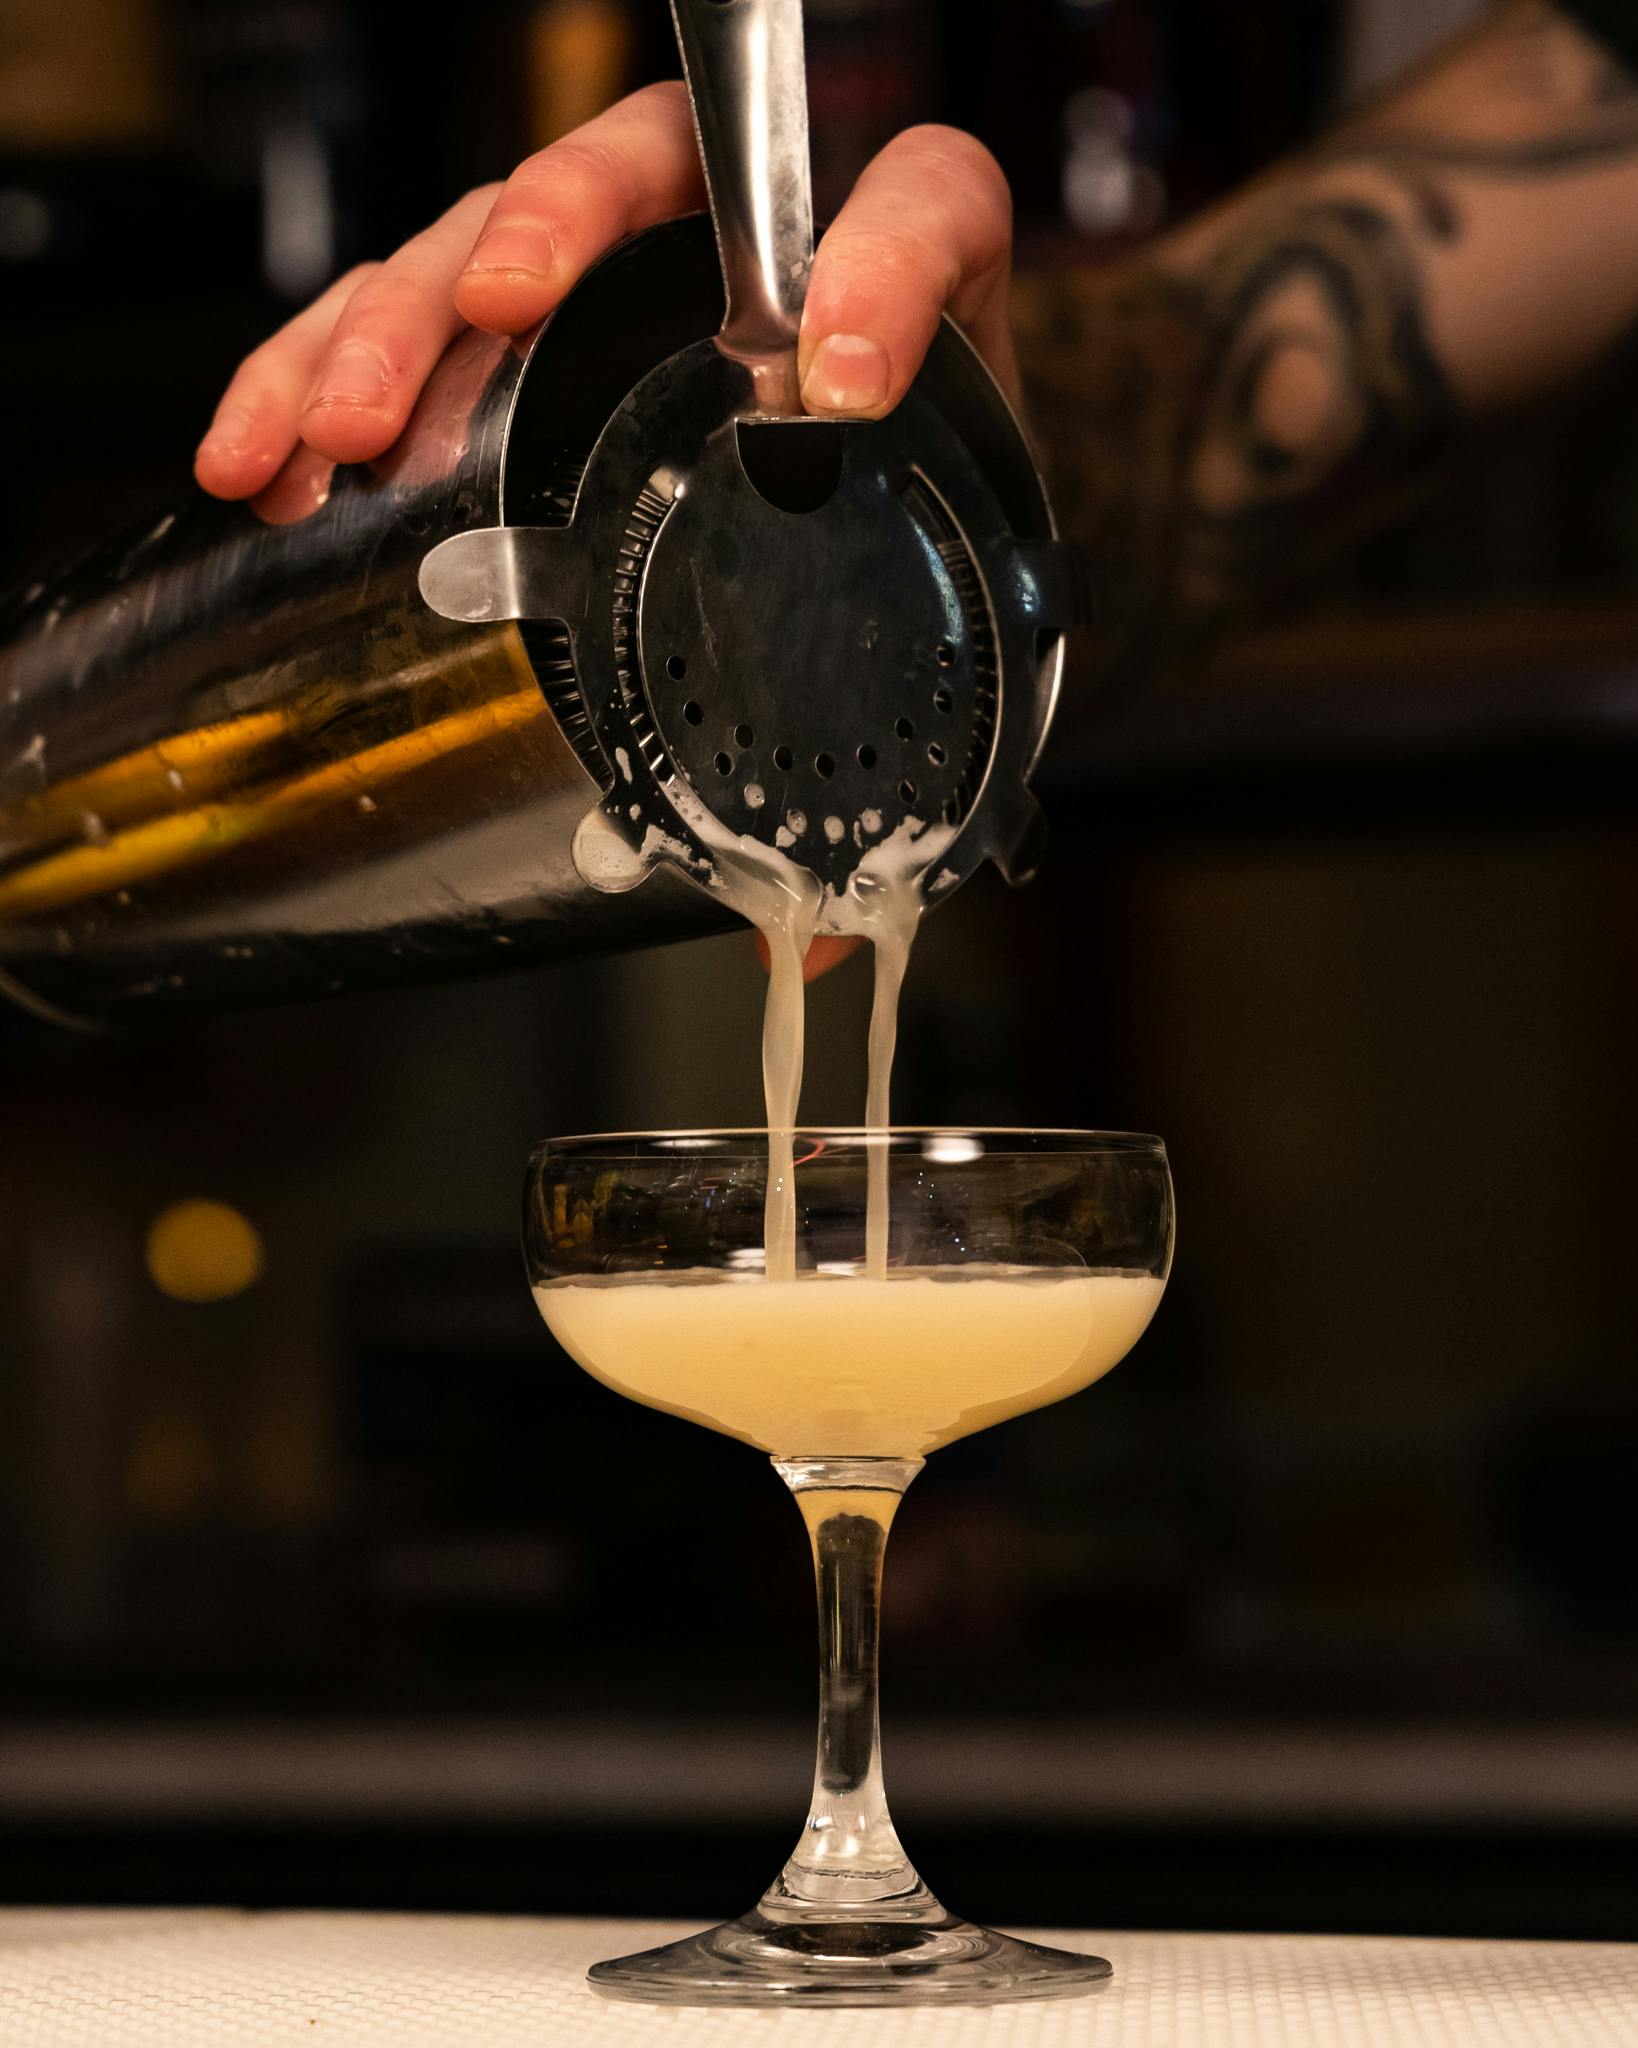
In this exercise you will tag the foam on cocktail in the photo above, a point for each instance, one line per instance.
(849, 1366)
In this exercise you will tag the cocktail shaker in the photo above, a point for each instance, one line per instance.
(494, 697)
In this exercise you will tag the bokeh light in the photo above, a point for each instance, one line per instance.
(199, 1250)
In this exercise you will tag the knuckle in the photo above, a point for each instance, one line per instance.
(379, 300)
(464, 219)
(606, 152)
(668, 96)
(350, 280)
(377, 324)
(661, 108)
(953, 149)
(561, 181)
(334, 300)
(963, 171)
(589, 160)
(883, 256)
(414, 261)
(600, 172)
(254, 373)
(571, 159)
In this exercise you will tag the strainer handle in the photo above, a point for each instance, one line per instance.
(743, 63)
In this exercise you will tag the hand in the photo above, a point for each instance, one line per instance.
(927, 230)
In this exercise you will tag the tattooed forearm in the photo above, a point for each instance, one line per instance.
(1265, 382)
(1212, 417)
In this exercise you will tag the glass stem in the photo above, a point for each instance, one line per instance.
(850, 1854)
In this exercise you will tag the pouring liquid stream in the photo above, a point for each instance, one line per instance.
(783, 901)
(783, 1018)
(893, 938)
(788, 904)
(885, 908)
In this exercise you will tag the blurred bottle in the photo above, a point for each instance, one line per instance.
(1109, 186)
(580, 56)
(278, 106)
(872, 70)
(83, 74)
(87, 124)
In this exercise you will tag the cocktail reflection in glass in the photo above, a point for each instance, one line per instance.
(1021, 1266)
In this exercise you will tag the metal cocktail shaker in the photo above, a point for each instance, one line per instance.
(462, 708)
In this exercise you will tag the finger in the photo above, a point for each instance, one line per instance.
(632, 166)
(823, 954)
(387, 338)
(927, 230)
(255, 427)
(301, 488)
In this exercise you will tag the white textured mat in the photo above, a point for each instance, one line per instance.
(271, 1980)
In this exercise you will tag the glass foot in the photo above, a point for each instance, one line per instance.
(848, 1961)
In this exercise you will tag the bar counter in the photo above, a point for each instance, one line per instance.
(226, 1979)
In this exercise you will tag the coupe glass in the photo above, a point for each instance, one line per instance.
(1020, 1266)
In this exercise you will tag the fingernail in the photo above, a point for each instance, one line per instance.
(848, 373)
(520, 252)
(228, 432)
(354, 375)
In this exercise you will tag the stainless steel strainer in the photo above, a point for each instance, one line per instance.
(822, 634)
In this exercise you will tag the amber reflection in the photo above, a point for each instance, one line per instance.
(190, 798)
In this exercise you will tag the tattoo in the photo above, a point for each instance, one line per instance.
(1230, 407)
(1220, 417)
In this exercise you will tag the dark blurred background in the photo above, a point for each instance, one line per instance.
(344, 1588)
